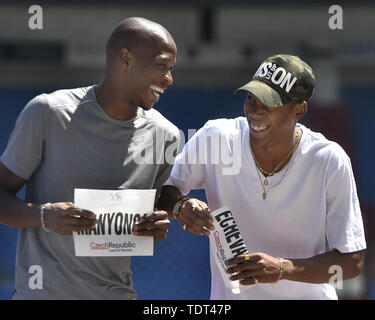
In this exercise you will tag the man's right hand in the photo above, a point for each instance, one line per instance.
(195, 217)
(64, 218)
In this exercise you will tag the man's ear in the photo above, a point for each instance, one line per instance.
(126, 58)
(300, 110)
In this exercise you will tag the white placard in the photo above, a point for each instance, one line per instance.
(117, 211)
(225, 243)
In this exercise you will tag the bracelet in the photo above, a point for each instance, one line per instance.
(179, 205)
(42, 217)
(281, 270)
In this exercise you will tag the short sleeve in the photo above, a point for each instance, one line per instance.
(24, 150)
(188, 170)
(164, 171)
(344, 229)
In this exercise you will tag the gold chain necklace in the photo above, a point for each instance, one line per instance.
(283, 161)
(265, 183)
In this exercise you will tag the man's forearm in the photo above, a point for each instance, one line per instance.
(168, 199)
(317, 269)
(16, 213)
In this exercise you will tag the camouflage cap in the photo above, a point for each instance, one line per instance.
(280, 79)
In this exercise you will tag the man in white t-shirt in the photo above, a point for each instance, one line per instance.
(291, 191)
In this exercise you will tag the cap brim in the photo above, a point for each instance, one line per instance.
(268, 96)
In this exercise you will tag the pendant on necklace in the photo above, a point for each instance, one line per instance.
(264, 195)
(265, 182)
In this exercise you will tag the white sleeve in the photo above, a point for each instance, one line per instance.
(189, 168)
(344, 226)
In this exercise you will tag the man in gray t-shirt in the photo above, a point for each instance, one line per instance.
(93, 137)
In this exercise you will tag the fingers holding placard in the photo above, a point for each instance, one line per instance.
(64, 218)
(155, 224)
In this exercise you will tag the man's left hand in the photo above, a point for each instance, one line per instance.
(154, 224)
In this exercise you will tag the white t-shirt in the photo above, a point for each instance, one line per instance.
(314, 209)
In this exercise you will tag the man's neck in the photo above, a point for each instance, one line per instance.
(272, 157)
(113, 104)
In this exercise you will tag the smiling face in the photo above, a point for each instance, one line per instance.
(151, 72)
(270, 126)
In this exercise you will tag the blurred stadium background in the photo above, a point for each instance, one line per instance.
(220, 43)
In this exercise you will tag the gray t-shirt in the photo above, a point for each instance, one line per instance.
(65, 140)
